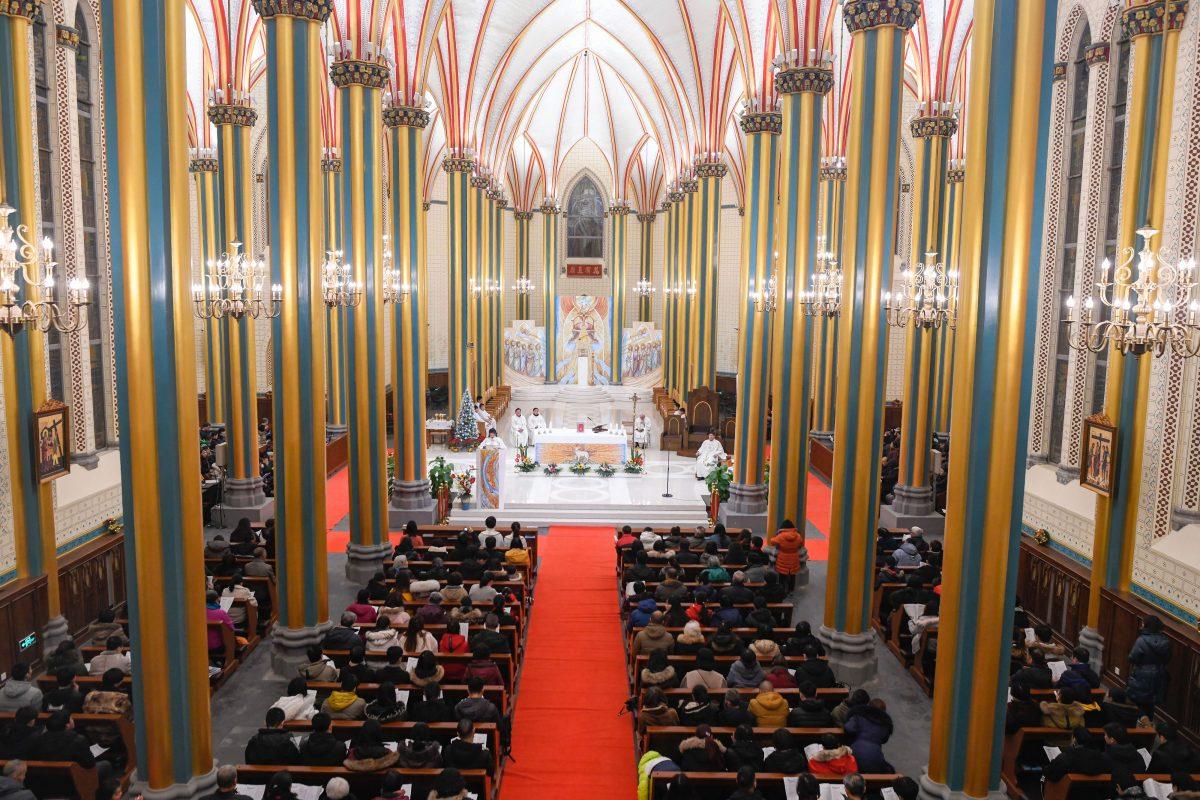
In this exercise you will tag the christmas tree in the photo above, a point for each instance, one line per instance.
(466, 431)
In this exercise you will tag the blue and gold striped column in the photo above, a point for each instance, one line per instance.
(825, 328)
(335, 316)
(22, 359)
(1007, 128)
(243, 490)
(477, 221)
(674, 208)
(550, 212)
(522, 247)
(360, 84)
(204, 169)
(410, 492)
(913, 502)
(943, 371)
(619, 214)
(458, 263)
(878, 31)
(1153, 30)
(747, 505)
(801, 90)
(707, 261)
(646, 266)
(495, 352)
(295, 73)
(689, 274)
(154, 341)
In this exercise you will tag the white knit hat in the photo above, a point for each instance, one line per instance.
(337, 788)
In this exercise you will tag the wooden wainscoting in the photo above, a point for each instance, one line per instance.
(22, 612)
(91, 579)
(1053, 589)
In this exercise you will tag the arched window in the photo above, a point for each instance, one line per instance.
(1112, 216)
(91, 255)
(1077, 83)
(585, 221)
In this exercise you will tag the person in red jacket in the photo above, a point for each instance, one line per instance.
(481, 666)
(788, 543)
(453, 642)
(833, 759)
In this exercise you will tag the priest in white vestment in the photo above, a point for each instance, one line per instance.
(482, 415)
(537, 423)
(708, 456)
(641, 433)
(520, 429)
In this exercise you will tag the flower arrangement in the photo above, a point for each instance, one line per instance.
(464, 481)
(606, 470)
(551, 469)
(580, 468)
(524, 462)
(636, 464)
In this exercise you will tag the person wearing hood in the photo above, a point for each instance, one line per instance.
(760, 616)
(788, 542)
(787, 758)
(810, 711)
(803, 638)
(869, 727)
(704, 672)
(453, 643)
(297, 703)
(769, 707)
(1148, 661)
(12, 782)
(465, 612)
(815, 670)
(463, 753)
(833, 759)
(743, 751)
(640, 616)
(386, 707)
(658, 671)
(432, 612)
(317, 667)
(19, 691)
(907, 555)
(1067, 711)
(17, 736)
(653, 637)
(272, 744)
(420, 750)
(856, 698)
(382, 636)
(701, 752)
(217, 547)
(698, 709)
(66, 656)
(747, 785)
(725, 642)
(345, 703)
(655, 711)
(691, 640)
(453, 591)
(733, 711)
(367, 752)
(745, 673)
(321, 748)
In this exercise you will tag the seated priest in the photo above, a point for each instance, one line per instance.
(708, 456)
(641, 433)
(537, 423)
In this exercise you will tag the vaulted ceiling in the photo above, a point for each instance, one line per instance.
(655, 84)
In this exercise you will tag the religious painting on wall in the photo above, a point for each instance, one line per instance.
(1099, 455)
(524, 353)
(641, 361)
(583, 341)
(52, 446)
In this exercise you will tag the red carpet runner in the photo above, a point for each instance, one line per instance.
(567, 739)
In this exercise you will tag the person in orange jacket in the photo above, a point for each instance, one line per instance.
(788, 543)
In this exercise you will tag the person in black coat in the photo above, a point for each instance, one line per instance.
(1117, 708)
(869, 727)
(344, 636)
(393, 672)
(322, 748)
(1148, 661)
(431, 708)
(61, 742)
(272, 744)
(1035, 675)
(737, 590)
(815, 670)
(1120, 750)
(18, 735)
(734, 712)
(1023, 710)
(1081, 756)
(1170, 753)
(1079, 674)
(803, 639)
(743, 751)
(787, 758)
(463, 753)
(66, 696)
(747, 786)
(699, 710)
(810, 711)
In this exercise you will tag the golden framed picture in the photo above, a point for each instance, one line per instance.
(51, 441)
(1099, 455)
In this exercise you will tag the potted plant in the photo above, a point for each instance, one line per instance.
(464, 482)
(524, 462)
(441, 476)
(718, 482)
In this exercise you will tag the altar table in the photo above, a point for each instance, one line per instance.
(558, 446)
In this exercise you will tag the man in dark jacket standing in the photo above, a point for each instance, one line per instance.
(1148, 666)
(272, 744)
(322, 748)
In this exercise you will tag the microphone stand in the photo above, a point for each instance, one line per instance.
(667, 493)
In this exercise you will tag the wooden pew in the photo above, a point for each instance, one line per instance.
(451, 692)
(666, 738)
(396, 731)
(684, 663)
(830, 697)
(1040, 737)
(778, 635)
(1092, 786)
(363, 784)
(84, 722)
(509, 632)
(719, 785)
(781, 611)
(504, 661)
(60, 779)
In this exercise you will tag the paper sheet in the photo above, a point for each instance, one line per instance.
(789, 787)
(811, 750)
(1145, 754)
(96, 750)
(1057, 668)
(1030, 636)
(767, 751)
(226, 603)
(888, 793)
(402, 696)
(1156, 790)
(1051, 752)
(914, 610)
(480, 739)
(832, 791)
(412, 664)
(464, 630)
(393, 746)
(304, 792)
(253, 792)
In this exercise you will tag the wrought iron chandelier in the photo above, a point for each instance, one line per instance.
(396, 289)
(235, 286)
(338, 287)
(927, 299)
(24, 269)
(764, 298)
(824, 299)
(1147, 305)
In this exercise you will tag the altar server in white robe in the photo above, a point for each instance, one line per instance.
(493, 440)
(520, 429)
(708, 456)
(482, 415)
(641, 433)
(537, 424)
